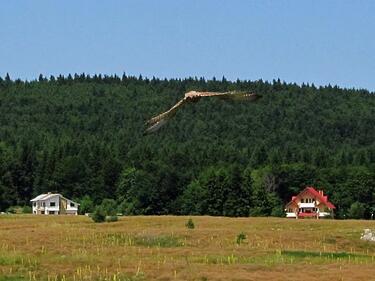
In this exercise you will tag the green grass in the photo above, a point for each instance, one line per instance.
(162, 241)
(284, 257)
(11, 278)
(305, 254)
(10, 260)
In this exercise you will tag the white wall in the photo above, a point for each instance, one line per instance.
(71, 209)
(50, 200)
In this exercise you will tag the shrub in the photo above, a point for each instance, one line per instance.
(14, 210)
(241, 237)
(190, 224)
(27, 210)
(109, 207)
(87, 205)
(111, 218)
(357, 211)
(105, 211)
(98, 215)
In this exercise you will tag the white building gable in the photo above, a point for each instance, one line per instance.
(53, 204)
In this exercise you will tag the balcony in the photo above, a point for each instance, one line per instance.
(306, 205)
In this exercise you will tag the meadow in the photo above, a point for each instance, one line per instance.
(64, 248)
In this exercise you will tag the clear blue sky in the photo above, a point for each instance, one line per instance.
(318, 42)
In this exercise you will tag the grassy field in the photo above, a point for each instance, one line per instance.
(163, 248)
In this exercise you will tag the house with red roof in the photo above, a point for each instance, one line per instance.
(309, 203)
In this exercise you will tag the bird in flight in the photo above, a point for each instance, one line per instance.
(158, 121)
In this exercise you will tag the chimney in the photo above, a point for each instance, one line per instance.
(321, 192)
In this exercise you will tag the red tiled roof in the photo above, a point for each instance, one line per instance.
(323, 199)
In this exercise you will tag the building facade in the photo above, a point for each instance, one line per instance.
(310, 203)
(53, 204)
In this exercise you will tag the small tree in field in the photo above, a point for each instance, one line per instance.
(109, 207)
(357, 210)
(190, 224)
(98, 215)
(241, 237)
(87, 205)
(105, 211)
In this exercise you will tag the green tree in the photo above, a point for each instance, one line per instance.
(357, 210)
(86, 205)
(109, 207)
(194, 199)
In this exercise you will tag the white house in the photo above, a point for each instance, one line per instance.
(54, 204)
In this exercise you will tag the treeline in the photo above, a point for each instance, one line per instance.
(83, 136)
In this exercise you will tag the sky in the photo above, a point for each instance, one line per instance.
(321, 41)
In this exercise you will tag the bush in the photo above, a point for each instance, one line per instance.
(111, 218)
(14, 210)
(27, 210)
(86, 205)
(98, 215)
(357, 211)
(190, 224)
(241, 237)
(109, 207)
(105, 211)
(11, 210)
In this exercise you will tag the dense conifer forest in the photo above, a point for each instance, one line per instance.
(83, 136)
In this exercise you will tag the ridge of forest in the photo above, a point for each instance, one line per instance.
(82, 136)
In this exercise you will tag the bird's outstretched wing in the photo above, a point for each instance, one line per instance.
(158, 121)
(234, 95)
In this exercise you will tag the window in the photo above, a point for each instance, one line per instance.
(43, 204)
(302, 200)
(34, 204)
(72, 204)
(52, 204)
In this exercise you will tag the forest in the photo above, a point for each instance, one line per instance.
(83, 136)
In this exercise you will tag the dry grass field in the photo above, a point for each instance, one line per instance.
(163, 248)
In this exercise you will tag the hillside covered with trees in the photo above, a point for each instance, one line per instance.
(83, 136)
